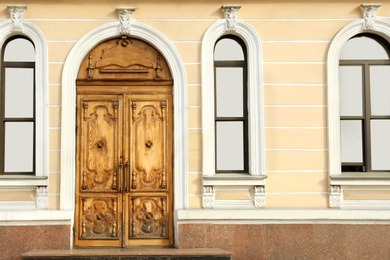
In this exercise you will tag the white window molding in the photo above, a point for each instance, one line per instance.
(338, 181)
(16, 25)
(256, 177)
(71, 68)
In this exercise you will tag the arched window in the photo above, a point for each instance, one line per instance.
(232, 115)
(364, 75)
(231, 110)
(18, 107)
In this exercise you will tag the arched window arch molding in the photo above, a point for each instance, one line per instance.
(337, 181)
(256, 179)
(40, 181)
(71, 67)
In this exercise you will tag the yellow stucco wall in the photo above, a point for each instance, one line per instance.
(295, 38)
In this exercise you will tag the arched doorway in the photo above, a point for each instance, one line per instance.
(124, 154)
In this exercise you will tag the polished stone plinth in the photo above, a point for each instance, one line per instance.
(133, 254)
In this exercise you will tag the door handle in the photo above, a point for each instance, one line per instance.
(127, 176)
(121, 175)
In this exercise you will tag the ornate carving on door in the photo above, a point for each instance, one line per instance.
(124, 147)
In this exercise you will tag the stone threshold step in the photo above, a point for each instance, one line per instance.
(129, 254)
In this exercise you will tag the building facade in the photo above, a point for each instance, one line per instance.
(257, 127)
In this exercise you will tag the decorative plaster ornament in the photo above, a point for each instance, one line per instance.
(230, 12)
(125, 14)
(16, 15)
(369, 15)
(208, 197)
(335, 196)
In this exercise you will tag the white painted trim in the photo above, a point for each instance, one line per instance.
(255, 98)
(282, 216)
(71, 67)
(382, 28)
(365, 204)
(34, 217)
(31, 31)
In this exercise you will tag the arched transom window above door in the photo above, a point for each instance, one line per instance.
(134, 59)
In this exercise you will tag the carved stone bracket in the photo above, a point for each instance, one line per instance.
(16, 15)
(335, 196)
(369, 15)
(208, 197)
(41, 197)
(259, 197)
(230, 12)
(125, 14)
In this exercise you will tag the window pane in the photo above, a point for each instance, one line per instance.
(19, 92)
(380, 90)
(19, 50)
(228, 49)
(363, 48)
(351, 91)
(351, 141)
(19, 147)
(380, 144)
(230, 146)
(229, 88)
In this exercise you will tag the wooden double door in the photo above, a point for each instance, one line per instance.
(124, 167)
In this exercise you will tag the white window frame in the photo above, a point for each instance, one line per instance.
(39, 182)
(255, 180)
(338, 181)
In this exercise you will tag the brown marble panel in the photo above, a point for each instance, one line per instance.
(290, 241)
(16, 240)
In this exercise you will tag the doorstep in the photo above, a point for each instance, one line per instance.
(129, 253)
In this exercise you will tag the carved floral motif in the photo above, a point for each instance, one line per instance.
(148, 217)
(230, 12)
(369, 15)
(16, 14)
(208, 197)
(125, 14)
(259, 196)
(335, 196)
(99, 218)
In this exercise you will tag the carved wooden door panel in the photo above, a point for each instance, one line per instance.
(148, 201)
(98, 183)
(124, 170)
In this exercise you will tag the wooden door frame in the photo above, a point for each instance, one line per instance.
(68, 112)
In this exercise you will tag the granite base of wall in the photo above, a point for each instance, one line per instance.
(290, 241)
(16, 240)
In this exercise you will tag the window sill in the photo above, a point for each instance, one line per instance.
(27, 183)
(361, 179)
(23, 180)
(349, 181)
(255, 183)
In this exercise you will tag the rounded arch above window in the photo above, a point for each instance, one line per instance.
(229, 48)
(19, 48)
(365, 47)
